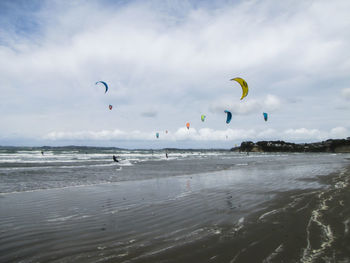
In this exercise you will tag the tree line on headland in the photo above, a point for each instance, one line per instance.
(331, 145)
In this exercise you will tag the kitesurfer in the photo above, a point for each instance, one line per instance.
(166, 155)
(115, 159)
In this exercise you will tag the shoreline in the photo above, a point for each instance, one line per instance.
(309, 225)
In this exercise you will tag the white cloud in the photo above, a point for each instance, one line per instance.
(304, 134)
(346, 93)
(267, 134)
(247, 106)
(272, 103)
(203, 134)
(98, 135)
(236, 108)
(339, 133)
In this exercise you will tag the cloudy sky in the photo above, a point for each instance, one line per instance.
(168, 62)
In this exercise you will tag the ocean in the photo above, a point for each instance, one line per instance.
(75, 204)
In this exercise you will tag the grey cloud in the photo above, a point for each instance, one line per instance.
(149, 114)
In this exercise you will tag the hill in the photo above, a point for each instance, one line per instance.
(336, 146)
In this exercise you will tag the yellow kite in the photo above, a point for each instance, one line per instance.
(244, 86)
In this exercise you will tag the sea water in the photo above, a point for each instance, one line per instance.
(75, 204)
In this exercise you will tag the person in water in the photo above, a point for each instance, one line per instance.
(115, 159)
(166, 155)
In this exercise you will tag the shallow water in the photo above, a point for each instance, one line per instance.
(76, 206)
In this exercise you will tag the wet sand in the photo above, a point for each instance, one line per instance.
(298, 226)
(234, 215)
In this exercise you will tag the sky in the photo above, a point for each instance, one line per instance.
(167, 63)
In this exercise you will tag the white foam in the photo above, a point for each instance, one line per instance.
(268, 213)
(346, 225)
(310, 254)
(241, 220)
(59, 188)
(238, 226)
(124, 163)
(275, 253)
(57, 167)
(60, 219)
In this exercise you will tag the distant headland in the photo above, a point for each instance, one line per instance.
(336, 146)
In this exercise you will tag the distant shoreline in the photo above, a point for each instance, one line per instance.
(331, 145)
(83, 148)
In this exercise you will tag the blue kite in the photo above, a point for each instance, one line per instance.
(229, 116)
(265, 116)
(104, 83)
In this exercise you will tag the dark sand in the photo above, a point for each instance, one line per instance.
(298, 226)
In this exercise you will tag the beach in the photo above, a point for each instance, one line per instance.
(195, 206)
(298, 226)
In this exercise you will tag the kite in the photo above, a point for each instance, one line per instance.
(188, 125)
(229, 116)
(203, 118)
(265, 116)
(104, 83)
(244, 86)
